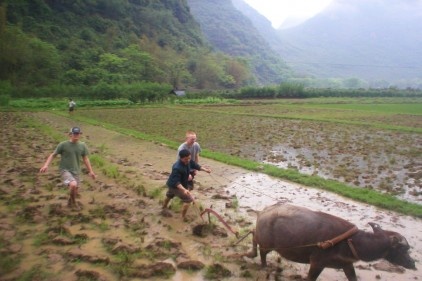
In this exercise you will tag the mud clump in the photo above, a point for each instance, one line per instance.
(201, 230)
(217, 271)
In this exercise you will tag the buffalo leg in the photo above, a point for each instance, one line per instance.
(314, 272)
(349, 270)
(263, 254)
(254, 252)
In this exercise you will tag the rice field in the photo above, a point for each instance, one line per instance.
(374, 144)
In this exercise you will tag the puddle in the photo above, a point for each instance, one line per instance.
(354, 170)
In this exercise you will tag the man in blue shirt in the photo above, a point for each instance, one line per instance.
(177, 182)
(193, 146)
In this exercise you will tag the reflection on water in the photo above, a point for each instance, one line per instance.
(375, 172)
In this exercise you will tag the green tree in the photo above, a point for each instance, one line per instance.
(139, 65)
(25, 60)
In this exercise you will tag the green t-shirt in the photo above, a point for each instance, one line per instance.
(71, 155)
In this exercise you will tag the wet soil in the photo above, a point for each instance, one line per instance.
(121, 233)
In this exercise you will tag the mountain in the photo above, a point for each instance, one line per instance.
(259, 22)
(378, 41)
(231, 32)
(264, 27)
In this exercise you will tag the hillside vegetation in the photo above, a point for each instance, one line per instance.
(101, 43)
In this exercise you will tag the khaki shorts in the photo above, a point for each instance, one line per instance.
(171, 192)
(68, 177)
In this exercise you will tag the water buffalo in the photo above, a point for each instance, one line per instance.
(323, 240)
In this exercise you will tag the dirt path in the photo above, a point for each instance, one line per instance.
(120, 233)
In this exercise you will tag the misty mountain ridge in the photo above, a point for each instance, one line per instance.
(375, 41)
(231, 32)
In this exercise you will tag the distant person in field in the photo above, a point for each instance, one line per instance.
(195, 149)
(177, 182)
(72, 106)
(72, 152)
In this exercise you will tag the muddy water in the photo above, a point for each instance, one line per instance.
(361, 170)
(257, 191)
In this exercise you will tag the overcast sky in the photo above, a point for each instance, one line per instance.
(288, 12)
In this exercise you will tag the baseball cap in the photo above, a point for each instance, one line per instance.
(75, 130)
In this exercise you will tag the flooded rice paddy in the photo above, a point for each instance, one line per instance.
(364, 149)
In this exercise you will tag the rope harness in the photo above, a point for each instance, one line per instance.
(323, 245)
(330, 243)
(352, 248)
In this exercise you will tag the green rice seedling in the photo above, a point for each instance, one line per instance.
(8, 263)
(148, 254)
(98, 212)
(122, 270)
(206, 250)
(97, 161)
(35, 273)
(235, 203)
(16, 202)
(103, 226)
(176, 204)
(167, 245)
(212, 220)
(139, 189)
(386, 185)
(40, 239)
(216, 271)
(156, 192)
(198, 205)
(166, 273)
(102, 148)
(218, 257)
(246, 274)
(111, 171)
(125, 258)
(80, 239)
(243, 231)
(49, 186)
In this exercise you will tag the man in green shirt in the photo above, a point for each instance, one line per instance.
(71, 152)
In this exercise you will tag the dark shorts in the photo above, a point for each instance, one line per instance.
(171, 192)
(71, 108)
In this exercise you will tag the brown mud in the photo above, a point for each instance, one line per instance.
(120, 233)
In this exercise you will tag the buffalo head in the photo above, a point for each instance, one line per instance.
(398, 252)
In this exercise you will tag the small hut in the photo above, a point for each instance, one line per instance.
(179, 93)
